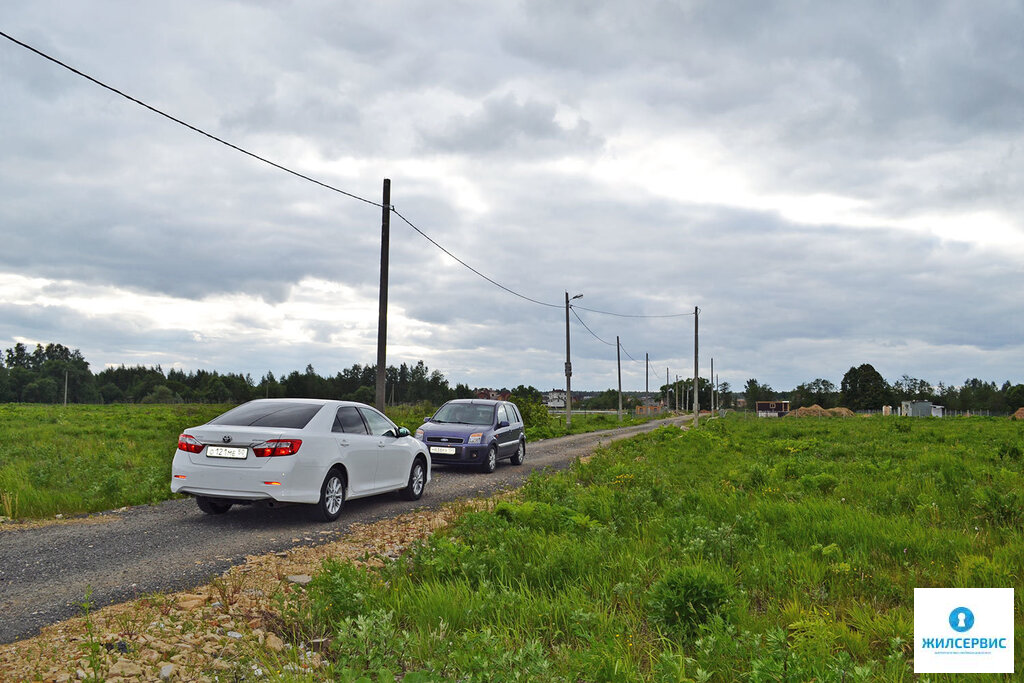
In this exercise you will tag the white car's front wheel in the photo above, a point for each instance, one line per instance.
(332, 497)
(417, 480)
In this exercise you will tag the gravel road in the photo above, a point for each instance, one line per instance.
(46, 571)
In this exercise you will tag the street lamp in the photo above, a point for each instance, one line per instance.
(568, 364)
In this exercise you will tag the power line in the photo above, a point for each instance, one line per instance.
(321, 184)
(573, 309)
(627, 353)
(628, 315)
(187, 125)
(493, 282)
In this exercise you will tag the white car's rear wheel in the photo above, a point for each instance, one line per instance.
(332, 497)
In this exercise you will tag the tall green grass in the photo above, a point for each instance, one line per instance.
(87, 458)
(783, 550)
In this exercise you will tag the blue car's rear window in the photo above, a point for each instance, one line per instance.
(276, 415)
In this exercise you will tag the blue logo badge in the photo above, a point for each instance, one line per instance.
(961, 619)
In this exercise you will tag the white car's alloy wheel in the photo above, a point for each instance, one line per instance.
(334, 496)
(417, 480)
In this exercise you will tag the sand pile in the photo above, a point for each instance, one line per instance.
(818, 411)
(1019, 415)
(809, 411)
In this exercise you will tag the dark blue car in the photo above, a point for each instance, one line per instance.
(475, 432)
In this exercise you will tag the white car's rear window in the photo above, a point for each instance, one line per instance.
(269, 414)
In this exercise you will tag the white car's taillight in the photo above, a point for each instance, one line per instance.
(276, 447)
(189, 443)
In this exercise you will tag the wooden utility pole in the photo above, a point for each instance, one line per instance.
(568, 365)
(711, 378)
(618, 361)
(382, 311)
(696, 372)
(668, 406)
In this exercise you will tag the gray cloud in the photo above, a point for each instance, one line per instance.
(488, 119)
(506, 125)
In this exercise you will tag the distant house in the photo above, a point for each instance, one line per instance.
(493, 394)
(772, 408)
(555, 399)
(921, 409)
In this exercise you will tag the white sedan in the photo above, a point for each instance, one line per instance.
(298, 450)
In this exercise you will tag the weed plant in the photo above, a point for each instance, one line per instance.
(752, 550)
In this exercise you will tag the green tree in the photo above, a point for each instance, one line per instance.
(110, 393)
(754, 391)
(528, 393)
(269, 387)
(725, 395)
(69, 368)
(217, 392)
(365, 395)
(18, 357)
(136, 382)
(161, 394)
(909, 388)
(818, 392)
(609, 400)
(1015, 397)
(863, 388)
(43, 390)
(18, 378)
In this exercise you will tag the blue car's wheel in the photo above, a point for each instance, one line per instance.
(490, 460)
(520, 455)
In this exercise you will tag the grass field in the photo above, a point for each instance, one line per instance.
(755, 550)
(89, 458)
(86, 458)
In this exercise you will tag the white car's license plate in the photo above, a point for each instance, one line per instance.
(226, 452)
(442, 450)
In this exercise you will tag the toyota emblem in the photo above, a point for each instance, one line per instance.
(226, 439)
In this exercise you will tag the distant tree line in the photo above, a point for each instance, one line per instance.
(863, 388)
(724, 396)
(48, 374)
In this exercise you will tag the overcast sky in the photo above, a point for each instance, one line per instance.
(830, 183)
